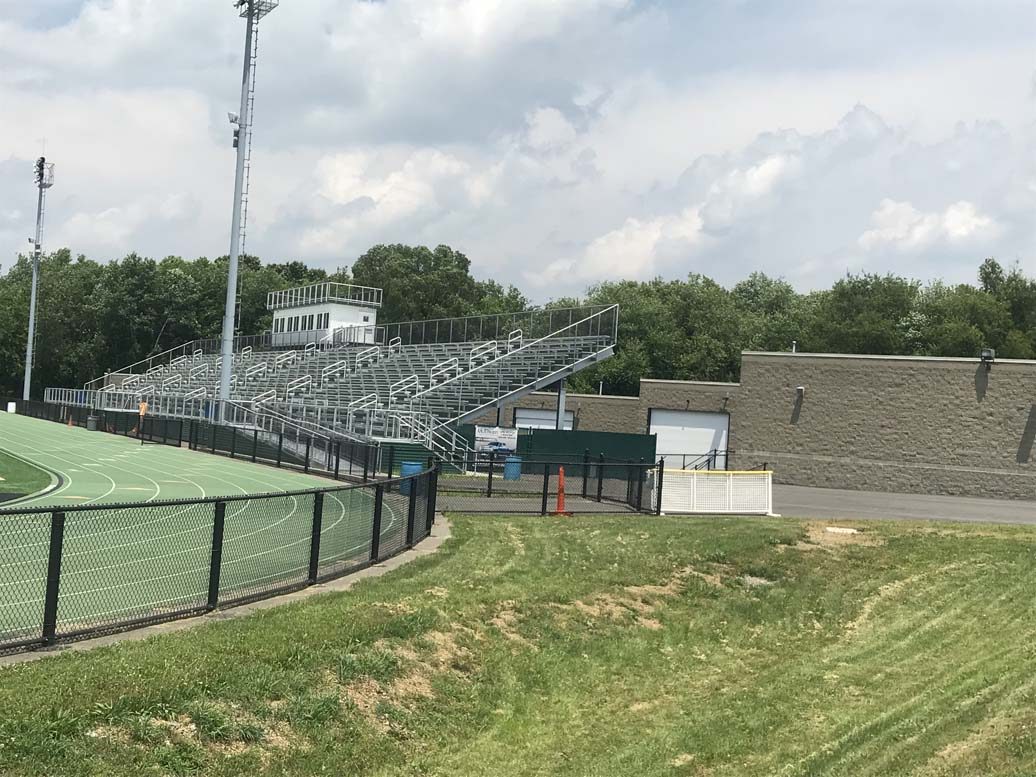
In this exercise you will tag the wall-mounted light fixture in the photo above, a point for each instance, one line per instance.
(988, 356)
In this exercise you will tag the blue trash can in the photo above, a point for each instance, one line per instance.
(513, 468)
(408, 468)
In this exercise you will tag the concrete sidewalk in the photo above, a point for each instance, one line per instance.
(804, 502)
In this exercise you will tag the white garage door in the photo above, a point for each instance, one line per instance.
(684, 435)
(537, 418)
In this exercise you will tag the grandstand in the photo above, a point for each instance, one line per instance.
(328, 368)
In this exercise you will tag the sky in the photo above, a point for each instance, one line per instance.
(557, 143)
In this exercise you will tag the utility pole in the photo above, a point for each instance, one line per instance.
(252, 11)
(44, 180)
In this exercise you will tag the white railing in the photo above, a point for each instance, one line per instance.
(717, 491)
(266, 396)
(482, 353)
(297, 385)
(310, 349)
(333, 370)
(288, 357)
(154, 371)
(201, 371)
(197, 354)
(404, 388)
(368, 355)
(246, 352)
(514, 340)
(179, 361)
(145, 391)
(174, 382)
(395, 345)
(130, 382)
(318, 293)
(198, 393)
(259, 369)
(442, 371)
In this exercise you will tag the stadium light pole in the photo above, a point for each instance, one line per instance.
(44, 180)
(252, 11)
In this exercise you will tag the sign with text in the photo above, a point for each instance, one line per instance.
(495, 439)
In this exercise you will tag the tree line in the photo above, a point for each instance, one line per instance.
(95, 317)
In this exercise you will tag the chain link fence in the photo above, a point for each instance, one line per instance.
(72, 572)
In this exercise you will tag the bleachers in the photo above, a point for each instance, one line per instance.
(391, 390)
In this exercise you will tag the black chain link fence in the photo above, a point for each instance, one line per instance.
(500, 484)
(72, 572)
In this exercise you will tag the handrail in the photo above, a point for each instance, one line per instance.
(266, 396)
(333, 370)
(395, 345)
(201, 369)
(363, 403)
(175, 380)
(198, 393)
(198, 353)
(513, 338)
(404, 388)
(442, 369)
(259, 369)
(368, 355)
(310, 349)
(246, 352)
(480, 352)
(178, 361)
(530, 344)
(304, 382)
(145, 391)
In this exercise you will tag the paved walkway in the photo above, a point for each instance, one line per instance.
(804, 502)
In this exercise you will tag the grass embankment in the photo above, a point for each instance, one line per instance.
(583, 646)
(18, 478)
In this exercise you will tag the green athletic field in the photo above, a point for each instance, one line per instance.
(139, 562)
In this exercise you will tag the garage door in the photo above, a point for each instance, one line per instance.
(686, 437)
(538, 418)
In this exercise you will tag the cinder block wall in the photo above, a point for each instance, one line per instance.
(607, 413)
(916, 425)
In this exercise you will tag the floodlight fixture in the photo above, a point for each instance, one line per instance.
(44, 177)
(987, 356)
(233, 117)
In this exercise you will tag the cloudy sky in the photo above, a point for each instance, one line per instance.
(556, 142)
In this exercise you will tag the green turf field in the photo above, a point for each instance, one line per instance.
(120, 564)
(18, 478)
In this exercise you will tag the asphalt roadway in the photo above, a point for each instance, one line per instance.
(832, 503)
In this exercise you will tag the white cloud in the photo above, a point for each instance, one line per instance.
(571, 140)
(901, 226)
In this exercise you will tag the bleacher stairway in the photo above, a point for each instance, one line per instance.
(415, 384)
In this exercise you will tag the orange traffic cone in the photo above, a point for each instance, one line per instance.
(561, 494)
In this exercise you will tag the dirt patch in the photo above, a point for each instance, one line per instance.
(515, 537)
(993, 733)
(506, 622)
(642, 706)
(637, 603)
(437, 591)
(682, 760)
(825, 536)
(754, 582)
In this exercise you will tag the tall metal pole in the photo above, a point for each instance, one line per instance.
(30, 343)
(244, 122)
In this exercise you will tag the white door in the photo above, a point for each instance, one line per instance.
(538, 418)
(685, 437)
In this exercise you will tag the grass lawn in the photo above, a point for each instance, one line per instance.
(606, 646)
(19, 477)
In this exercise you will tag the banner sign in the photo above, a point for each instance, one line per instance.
(495, 439)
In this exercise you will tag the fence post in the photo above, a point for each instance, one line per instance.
(411, 511)
(233, 442)
(661, 473)
(338, 457)
(179, 435)
(50, 603)
(379, 500)
(314, 543)
(255, 445)
(214, 427)
(309, 444)
(433, 483)
(546, 487)
(191, 435)
(641, 472)
(600, 477)
(280, 447)
(391, 461)
(586, 468)
(489, 486)
(366, 461)
(216, 558)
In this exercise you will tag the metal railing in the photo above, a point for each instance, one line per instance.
(318, 293)
(83, 570)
